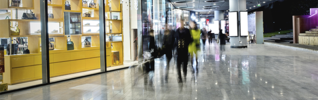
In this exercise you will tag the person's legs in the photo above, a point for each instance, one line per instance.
(168, 67)
(179, 69)
(185, 66)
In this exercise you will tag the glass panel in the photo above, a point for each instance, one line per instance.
(20, 49)
(76, 51)
(114, 34)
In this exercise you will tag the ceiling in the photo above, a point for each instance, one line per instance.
(207, 7)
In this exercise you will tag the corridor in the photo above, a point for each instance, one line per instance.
(259, 72)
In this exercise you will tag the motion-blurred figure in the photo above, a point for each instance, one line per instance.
(211, 36)
(167, 46)
(150, 47)
(222, 38)
(194, 47)
(183, 37)
(203, 36)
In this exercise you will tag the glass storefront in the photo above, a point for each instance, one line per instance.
(78, 41)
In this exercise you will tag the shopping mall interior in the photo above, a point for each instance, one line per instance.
(158, 49)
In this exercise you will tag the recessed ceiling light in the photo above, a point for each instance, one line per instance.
(264, 2)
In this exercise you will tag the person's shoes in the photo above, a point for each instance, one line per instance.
(179, 80)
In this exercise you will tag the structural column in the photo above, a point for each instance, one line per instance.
(238, 41)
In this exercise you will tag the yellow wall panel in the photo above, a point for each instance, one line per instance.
(37, 59)
(22, 74)
(22, 61)
(77, 55)
(92, 53)
(38, 72)
(57, 57)
(93, 63)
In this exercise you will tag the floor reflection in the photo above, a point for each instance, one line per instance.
(221, 75)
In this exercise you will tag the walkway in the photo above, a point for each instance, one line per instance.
(260, 72)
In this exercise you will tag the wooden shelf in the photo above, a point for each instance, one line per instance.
(20, 8)
(113, 33)
(113, 20)
(55, 20)
(90, 8)
(90, 18)
(90, 25)
(78, 11)
(89, 34)
(55, 5)
(115, 41)
(29, 20)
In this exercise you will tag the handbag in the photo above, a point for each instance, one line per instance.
(15, 3)
(85, 4)
(92, 4)
(15, 31)
(51, 16)
(70, 45)
(51, 46)
(87, 43)
(27, 15)
(27, 51)
(87, 14)
(67, 5)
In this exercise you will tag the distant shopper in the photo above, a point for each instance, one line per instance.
(203, 36)
(194, 47)
(183, 37)
(211, 36)
(222, 38)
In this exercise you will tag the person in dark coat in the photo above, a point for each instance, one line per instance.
(150, 45)
(168, 46)
(222, 38)
(183, 38)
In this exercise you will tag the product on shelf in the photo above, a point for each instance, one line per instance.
(28, 15)
(85, 3)
(15, 3)
(15, 31)
(67, 5)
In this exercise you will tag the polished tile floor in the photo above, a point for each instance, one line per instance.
(260, 72)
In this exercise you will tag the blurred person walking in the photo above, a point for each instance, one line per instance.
(183, 37)
(149, 46)
(168, 45)
(211, 36)
(222, 38)
(203, 36)
(194, 46)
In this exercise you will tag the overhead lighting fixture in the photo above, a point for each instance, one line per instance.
(183, 1)
(264, 2)
(258, 5)
(214, 3)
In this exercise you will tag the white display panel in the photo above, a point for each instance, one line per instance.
(223, 26)
(244, 23)
(216, 27)
(233, 23)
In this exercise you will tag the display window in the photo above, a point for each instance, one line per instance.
(74, 42)
(20, 48)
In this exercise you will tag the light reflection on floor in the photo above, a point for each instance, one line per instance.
(260, 72)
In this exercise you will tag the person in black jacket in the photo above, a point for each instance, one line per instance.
(183, 38)
(222, 38)
(168, 43)
(150, 45)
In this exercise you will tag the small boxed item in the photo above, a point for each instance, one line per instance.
(115, 57)
(3, 87)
